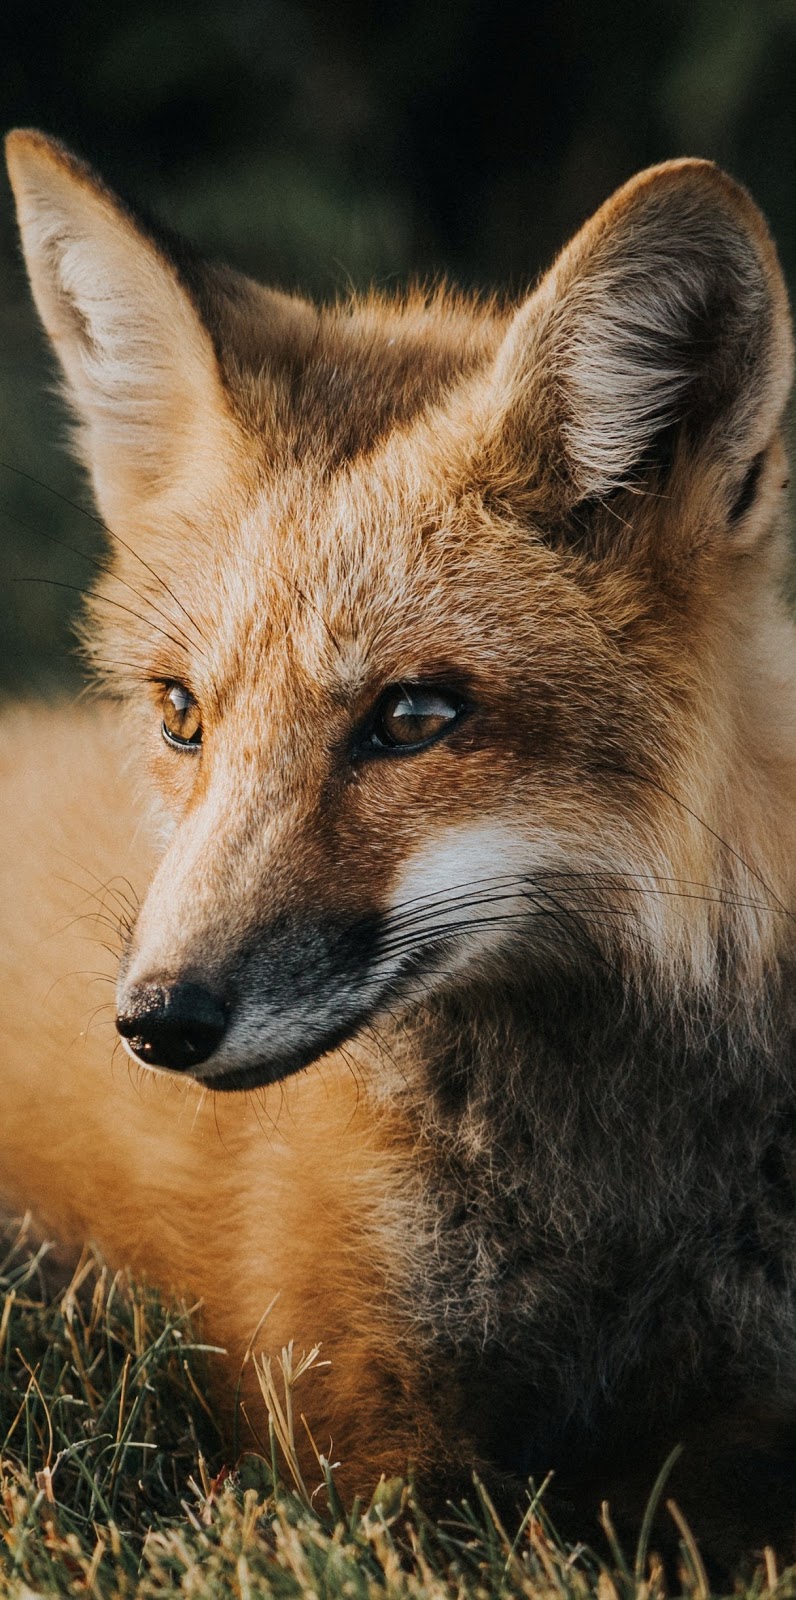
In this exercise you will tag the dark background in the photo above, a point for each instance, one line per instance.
(316, 145)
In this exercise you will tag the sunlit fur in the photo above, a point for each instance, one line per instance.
(540, 1205)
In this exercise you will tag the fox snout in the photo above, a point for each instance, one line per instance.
(241, 971)
(266, 1008)
(172, 1025)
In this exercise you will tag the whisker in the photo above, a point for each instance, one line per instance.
(115, 953)
(257, 1097)
(584, 939)
(252, 1100)
(425, 932)
(101, 566)
(102, 599)
(89, 916)
(620, 882)
(414, 924)
(104, 884)
(724, 897)
(499, 880)
(352, 1068)
(224, 1146)
(521, 887)
(719, 898)
(100, 911)
(201, 1101)
(92, 517)
(444, 931)
(57, 494)
(638, 777)
(407, 921)
(129, 903)
(102, 664)
(93, 977)
(106, 1006)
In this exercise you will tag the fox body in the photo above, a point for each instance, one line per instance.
(440, 820)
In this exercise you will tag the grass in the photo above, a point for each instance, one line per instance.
(112, 1481)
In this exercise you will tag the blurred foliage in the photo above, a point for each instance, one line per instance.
(317, 145)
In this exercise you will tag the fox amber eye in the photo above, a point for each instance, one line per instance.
(410, 716)
(182, 724)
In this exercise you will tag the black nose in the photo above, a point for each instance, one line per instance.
(174, 1025)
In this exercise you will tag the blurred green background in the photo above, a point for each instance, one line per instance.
(316, 145)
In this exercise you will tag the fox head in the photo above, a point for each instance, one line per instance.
(450, 629)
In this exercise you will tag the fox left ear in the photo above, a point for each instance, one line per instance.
(139, 363)
(662, 327)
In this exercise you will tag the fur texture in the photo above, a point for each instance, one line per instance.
(514, 1009)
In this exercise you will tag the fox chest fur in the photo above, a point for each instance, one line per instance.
(450, 638)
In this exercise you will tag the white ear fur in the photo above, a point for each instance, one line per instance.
(668, 309)
(139, 365)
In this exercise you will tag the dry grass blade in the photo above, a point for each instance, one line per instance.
(701, 1586)
(280, 1408)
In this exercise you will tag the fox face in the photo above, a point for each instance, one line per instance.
(438, 622)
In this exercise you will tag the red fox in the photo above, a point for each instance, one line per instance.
(439, 821)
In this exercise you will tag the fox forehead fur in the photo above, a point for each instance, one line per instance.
(557, 940)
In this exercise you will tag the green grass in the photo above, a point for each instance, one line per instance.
(112, 1481)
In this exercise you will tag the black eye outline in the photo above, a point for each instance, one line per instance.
(192, 746)
(374, 740)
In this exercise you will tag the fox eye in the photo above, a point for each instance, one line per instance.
(182, 723)
(410, 716)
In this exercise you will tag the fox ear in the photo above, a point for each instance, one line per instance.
(139, 364)
(663, 324)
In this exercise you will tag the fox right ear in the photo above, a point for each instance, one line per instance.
(139, 363)
(662, 327)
